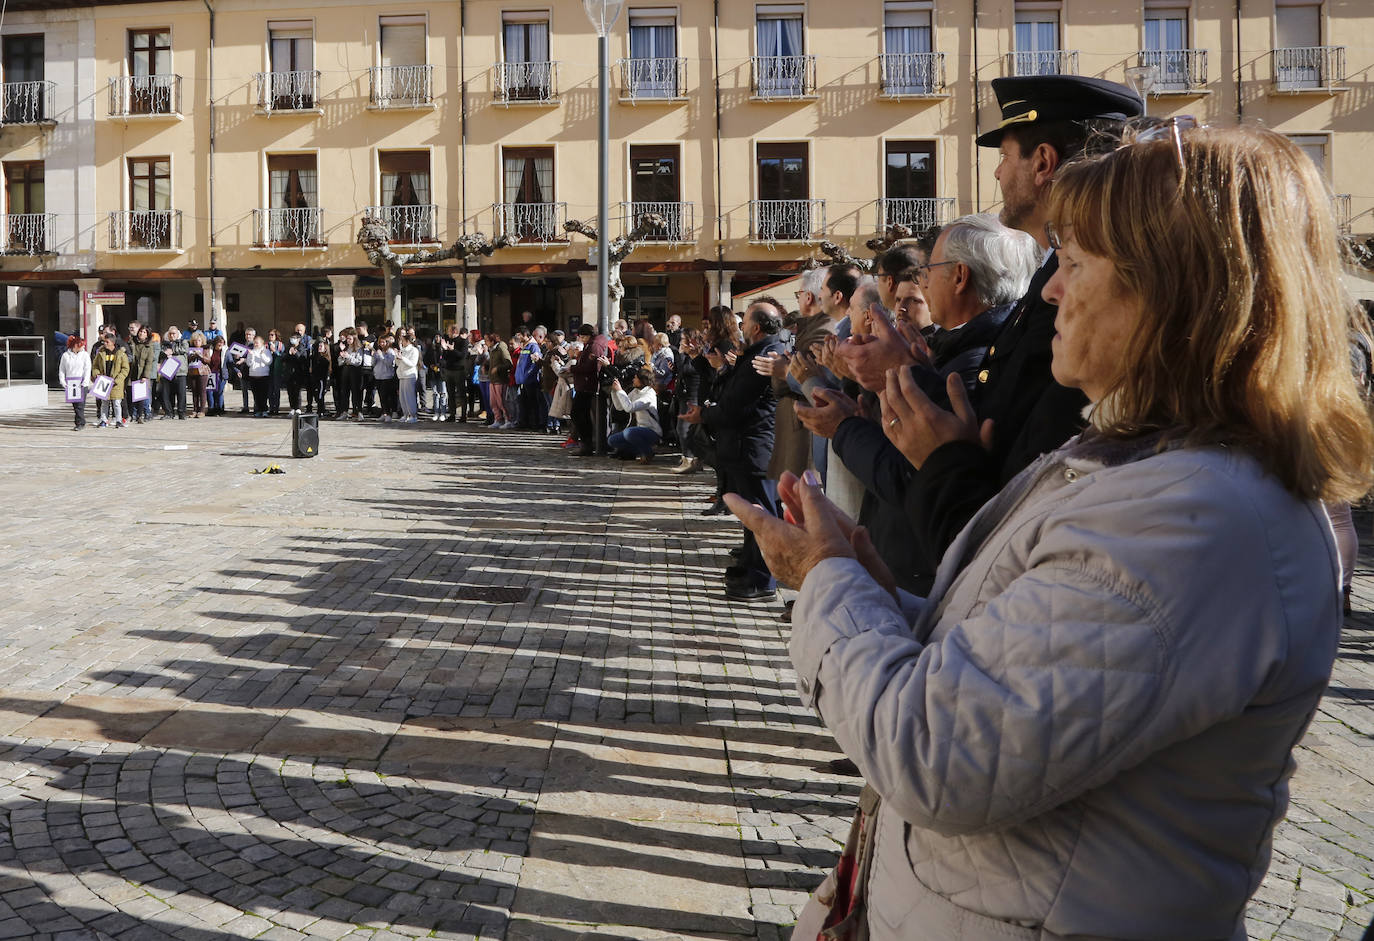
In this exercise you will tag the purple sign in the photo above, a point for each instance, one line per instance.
(104, 385)
(138, 390)
(168, 369)
(211, 382)
(238, 350)
(75, 390)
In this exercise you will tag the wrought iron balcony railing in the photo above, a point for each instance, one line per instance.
(401, 86)
(134, 95)
(679, 220)
(145, 230)
(652, 79)
(1340, 208)
(1049, 62)
(918, 215)
(27, 102)
(786, 220)
(288, 91)
(30, 233)
(1179, 69)
(780, 78)
(289, 228)
(532, 223)
(1309, 67)
(912, 74)
(532, 82)
(407, 225)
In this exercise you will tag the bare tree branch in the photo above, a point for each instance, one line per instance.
(375, 239)
(619, 249)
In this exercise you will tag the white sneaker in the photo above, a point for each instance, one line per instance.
(386, 418)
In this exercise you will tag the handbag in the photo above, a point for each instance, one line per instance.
(838, 910)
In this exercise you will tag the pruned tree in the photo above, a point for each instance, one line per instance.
(618, 250)
(839, 255)
(374, 236)
(890, 237)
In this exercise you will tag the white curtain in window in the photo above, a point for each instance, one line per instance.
(419, 181)
(310, 187)
(539, 42)
(780, 36)
(906, 32)
(543, 178)
(162, 190)
(278, 181)
(391, 184)
(515, 43)
(652, 41)
(514, 172)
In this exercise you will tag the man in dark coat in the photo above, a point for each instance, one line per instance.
(456, 364)
(588, 418)
(741, 421)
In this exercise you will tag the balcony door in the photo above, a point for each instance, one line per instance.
(525, 45)
(654, 187)
(527, 190)
(150, 202)
(1298, 30)
(24, 207)
(291, 54)
(406, 200)
(294, 193)
(1037, 42)
(22, 58)
(150, 71)
(1166, 39)
(909, 185)
(653, 54)
(403, 40)
(784, 190)
(907, 44)
(779, 44)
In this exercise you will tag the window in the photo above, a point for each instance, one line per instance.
(406, 202)
(529, 212)
(150, 202)
(293, 216)
(403, 40)
(1299, 62)
(781, 68)
(26, 227)
(1166, 48)
(24, 100)
(291, 57)
(1037, 42)
(652, 66)
(403, 78)
(784, 207)
(1314, 145)
(150, 71)
(909, 186)
(907, 60)
(527, 73)
(654, 187)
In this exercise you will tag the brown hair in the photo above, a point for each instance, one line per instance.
(1246, 331)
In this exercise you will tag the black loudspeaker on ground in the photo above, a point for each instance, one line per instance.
(305, 434)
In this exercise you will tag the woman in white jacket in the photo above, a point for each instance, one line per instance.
(408, 372)
(259, 362)
(639, 437)
(1086, 730)
(75, 364)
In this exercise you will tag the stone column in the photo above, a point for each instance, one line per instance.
(467, 290)
(718, 280)
(91, 315)
(344, 311)
(212, 290)
(590, 296)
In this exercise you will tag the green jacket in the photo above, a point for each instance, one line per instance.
(498, 364)
(115, 365)
(142, 360)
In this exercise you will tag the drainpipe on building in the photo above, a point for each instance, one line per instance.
(720, 226)
(977, 151)
(463, 152)
(1240, 100)
(212, 316)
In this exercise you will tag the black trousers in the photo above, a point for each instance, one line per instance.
(533, 412)
(755, 488)
(457, 381)
(589, 420)
(173, 393)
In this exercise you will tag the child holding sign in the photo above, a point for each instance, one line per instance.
(75, 370)
(110, 361)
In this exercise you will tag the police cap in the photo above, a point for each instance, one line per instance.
(1034, 99)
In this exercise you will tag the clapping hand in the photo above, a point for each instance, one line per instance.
(917, 426)
(803, 368)
(825, 417)
(868, 358)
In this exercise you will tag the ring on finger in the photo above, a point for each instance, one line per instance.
(893, 423)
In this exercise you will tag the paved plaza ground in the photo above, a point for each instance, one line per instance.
(444, 682)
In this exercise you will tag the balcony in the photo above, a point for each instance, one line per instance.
(289, 228)
(786, 220)
(783, 78)
(401, 86)
(918, 215)
(1180, 70)
(532, 223)
(30, 233)
(145, 230)
(1309, 68)
(27, 103)
(679, 221)
(652, 79)
(407, 225)
(534, 83)
(1050, 62)
(1340, 208)
(912, 74)
(141, 96)
(288, 92)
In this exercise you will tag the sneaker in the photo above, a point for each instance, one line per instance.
(103, 424)
(437, 417)
(569, 443)
(386, 418)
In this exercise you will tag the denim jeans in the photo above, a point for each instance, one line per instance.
(634, 440)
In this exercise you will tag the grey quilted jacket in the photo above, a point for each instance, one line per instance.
(1087, 731)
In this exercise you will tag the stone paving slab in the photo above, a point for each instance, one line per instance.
(443, 682)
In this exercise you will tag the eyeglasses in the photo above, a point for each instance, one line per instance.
(1162, 130)
(923, 271)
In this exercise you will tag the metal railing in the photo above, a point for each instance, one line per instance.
(652, 78)
(912, 73)
(289, 228)
(535, 82)
(1304, 67)
(38, 356)
(30, 233)
(27, 102)
(679, 220)
(145, 230)
(918, 214)
(786, 220)
(401, 86)
(407, 225)
(532, 223)
(777, 78)
(132, 95)
(1179, 69)
(1341, 209)
(1049, 62)
(288, 91)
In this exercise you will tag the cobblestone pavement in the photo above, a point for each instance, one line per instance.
(442, 682)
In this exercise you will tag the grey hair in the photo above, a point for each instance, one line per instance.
(813, 280)
(867, 295)
(1001, 261)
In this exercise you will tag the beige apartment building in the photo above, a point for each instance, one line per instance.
(211, 159)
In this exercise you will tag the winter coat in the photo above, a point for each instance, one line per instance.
(116, 366)
(176, 350)
(142, 360)
(1088, 729)
(498, 364)
(742, 417)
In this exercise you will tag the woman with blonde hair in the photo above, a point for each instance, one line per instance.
(1087, 729)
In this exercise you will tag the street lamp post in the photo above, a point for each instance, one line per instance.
(603, 14)
(1142, 79)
